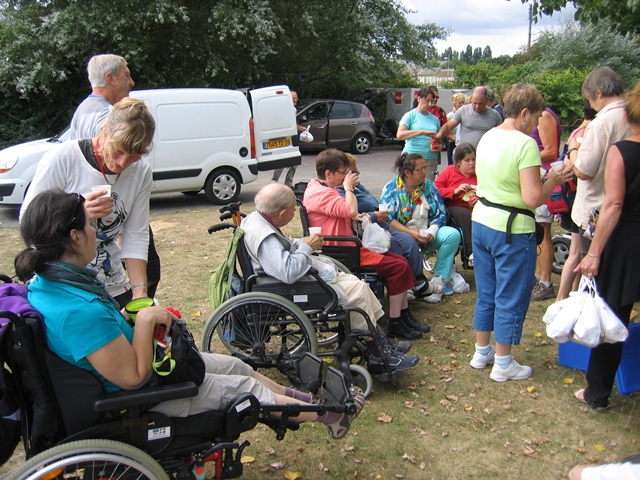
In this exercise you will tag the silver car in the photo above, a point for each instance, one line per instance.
(337, 123)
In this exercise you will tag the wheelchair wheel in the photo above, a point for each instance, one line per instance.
(429, 260)
(257, 327)
(91, 459)
(361, 378)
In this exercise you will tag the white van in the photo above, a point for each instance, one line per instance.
(205, 139)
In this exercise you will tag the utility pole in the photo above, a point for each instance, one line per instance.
(530, 21)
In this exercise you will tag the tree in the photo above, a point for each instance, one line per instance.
(624, 14)
(590, 46)
(477, 55)
(486, 53)
(320, 48)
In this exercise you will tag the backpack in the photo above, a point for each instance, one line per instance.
(562, 197)
(225, 281)
(10, 415)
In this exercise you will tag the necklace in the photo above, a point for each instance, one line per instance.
(100, 166)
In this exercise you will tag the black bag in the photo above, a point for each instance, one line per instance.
(180, 361)
(10, 429)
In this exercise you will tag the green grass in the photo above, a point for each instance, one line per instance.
(443, 419)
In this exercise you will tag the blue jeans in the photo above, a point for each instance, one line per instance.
(504, 279)
(446, 243)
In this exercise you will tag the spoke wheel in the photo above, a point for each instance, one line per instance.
(257, 327)
(91, 459)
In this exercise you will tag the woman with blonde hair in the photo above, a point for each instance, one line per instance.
(107, 171)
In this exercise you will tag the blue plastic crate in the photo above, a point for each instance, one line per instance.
(574, 355)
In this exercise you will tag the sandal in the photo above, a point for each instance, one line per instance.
(340, 427)
(580, 396)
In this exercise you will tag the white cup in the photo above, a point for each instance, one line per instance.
(383, 207)
(313, 230)
(424, 232)
(99, 188)
(556, 166)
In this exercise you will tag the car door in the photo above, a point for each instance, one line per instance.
(343, 124)
(316, 116)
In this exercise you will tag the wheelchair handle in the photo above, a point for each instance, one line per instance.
(221, 226)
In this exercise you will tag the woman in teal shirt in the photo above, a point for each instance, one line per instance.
(418, 127)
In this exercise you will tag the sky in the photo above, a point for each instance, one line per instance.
(501, 24)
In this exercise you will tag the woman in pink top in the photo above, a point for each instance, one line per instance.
(457, 186)
(326, 208)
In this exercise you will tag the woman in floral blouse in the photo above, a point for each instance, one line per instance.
(416, 207)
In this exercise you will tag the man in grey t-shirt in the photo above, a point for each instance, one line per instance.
(110, 82)
(474, 119)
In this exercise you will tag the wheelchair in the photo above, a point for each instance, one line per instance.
(269, 324)
(71, 429)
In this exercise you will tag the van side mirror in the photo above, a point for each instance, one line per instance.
(303, 118)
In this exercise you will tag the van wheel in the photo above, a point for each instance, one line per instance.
(222, 187)
(361, 144)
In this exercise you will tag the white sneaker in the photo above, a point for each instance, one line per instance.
(514, 371)
(434, 298)
(480, 361)
(410, 295)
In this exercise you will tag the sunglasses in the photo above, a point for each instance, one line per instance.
(76, 210)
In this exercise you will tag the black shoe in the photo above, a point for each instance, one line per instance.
(401, 346)
(398, 328)
(413, 323)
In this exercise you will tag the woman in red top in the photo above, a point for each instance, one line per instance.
(457, 186)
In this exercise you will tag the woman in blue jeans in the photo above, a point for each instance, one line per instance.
(411, 194)
(504, 240)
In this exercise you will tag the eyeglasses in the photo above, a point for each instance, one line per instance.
(342, 172)
(76, 210)
(435, 99)
(421, 170)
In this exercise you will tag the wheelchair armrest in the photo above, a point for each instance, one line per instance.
(144, 396)
(343, 238)
(241, 414)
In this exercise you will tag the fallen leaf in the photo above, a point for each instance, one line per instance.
(278, 465)
(469, 408)
(457, 315)
(457, 302)
(292, 475)
(449, 327)
(384, 418)
(247, 459)
(568, 381)
(464, 341)
(531, 389)
(196, 314)
(537, 335)
(600, 448)
(408, 457)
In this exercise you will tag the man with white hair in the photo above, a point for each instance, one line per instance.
(289, 260)
(110, 82)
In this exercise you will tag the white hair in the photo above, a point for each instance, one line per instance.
(100, 65)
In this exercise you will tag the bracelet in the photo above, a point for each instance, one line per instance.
(139, 285)
(571, 150)
(592, 255)
(350, 191)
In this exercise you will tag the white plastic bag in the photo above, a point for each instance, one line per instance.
(420, 215)
(327, 270)
(561, 316)
(306, 136)
(587, 329)
(613, 330)
(374, 237)
(458, 283)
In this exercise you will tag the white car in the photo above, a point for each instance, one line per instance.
(206, 139)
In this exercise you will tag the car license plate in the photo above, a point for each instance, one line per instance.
(284, 142)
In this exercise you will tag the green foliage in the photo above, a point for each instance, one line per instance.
(319, 48)
(625, 14)
(590, 46)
